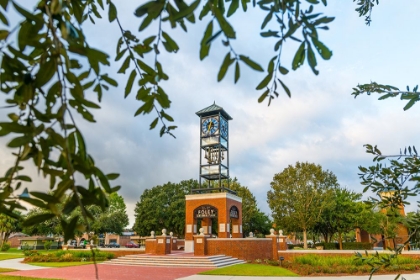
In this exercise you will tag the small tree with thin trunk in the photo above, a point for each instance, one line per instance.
(298, 196)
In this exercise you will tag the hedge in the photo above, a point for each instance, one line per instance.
(346, 246)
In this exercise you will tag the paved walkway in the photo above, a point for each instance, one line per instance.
(17, 264)
(114, 272)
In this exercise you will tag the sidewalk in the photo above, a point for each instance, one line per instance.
(17, 264)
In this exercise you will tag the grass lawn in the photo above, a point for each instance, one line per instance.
(9, 277)
(6, 270)
(59, 264)
(250, 270)
(9, 256)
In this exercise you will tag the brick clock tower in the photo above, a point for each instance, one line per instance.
(213, 200)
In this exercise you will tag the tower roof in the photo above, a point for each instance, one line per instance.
(211, 110)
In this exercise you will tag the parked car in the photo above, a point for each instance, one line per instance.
(112, 245)
(131, 244)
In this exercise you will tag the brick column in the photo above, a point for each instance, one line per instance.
(163, 245)
(200, 245)
(150, 244)
(282, 243)
(275, 245)
(174, 245)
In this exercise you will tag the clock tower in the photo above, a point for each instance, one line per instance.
(214, 148)
(212, 208)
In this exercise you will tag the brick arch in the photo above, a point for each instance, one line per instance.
(223, 203)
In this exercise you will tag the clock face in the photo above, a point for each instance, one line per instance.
(210, 126)
(224, 128)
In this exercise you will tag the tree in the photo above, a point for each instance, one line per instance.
(253, 220)
(114, 219)
(299, 195)
(8, 225)
(163, 207)
(341, 215)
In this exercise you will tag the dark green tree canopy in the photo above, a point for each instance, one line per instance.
(163, 207)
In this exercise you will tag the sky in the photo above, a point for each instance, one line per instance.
(321, 123)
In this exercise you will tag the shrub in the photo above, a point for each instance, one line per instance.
(5, 247)
(29, 253)
(47, 245)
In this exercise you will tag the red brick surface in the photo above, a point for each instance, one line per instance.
(244, 249)
(111, 272)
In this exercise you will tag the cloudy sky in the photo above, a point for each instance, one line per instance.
(322, 122)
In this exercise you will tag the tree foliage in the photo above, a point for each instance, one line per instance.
(341, 216)
(163, 207)
(299, 195)
(8, 225)
(253, 220)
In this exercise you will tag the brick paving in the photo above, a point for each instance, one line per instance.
(111, 272)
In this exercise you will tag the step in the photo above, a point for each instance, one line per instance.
(175, 261)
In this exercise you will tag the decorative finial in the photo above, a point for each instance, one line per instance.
(214, 102)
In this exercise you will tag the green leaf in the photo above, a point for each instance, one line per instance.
(146, 108)
(263, 96)
(109, 80)
(78, 8)
(237, 71)
(23, 178)
(166, 116)
(45, 197)
(323, 51)
(112, 12)
(146, 22)
(112, 176)
(205, 45)
(233, 7)
(4, 3)
(265, 81)
(19, 141)
(3, 19)
(224, 67)
(312, 59)
(267, 19)
(45, 73)
(37, 219)
(154, 123)
(130, 82)
(186, 11)
(299, 58)
(171, 42)
(286, 89)
(214, 37)
(125, 65)
(28, 15)
(224, 24)
(283, 70)
(409, 104)
(251, 63)
(3, 34)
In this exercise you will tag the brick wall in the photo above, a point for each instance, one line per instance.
(151, 246)
(241, 248)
